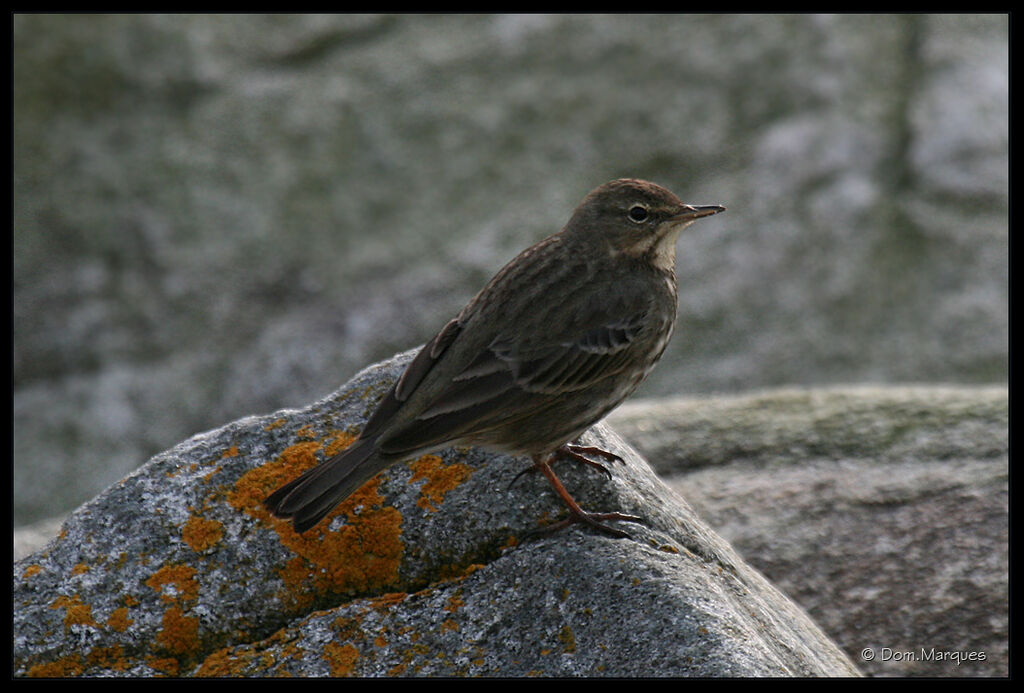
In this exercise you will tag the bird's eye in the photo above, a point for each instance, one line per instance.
(638, 214)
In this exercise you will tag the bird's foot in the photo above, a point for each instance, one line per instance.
(576, 513)
(592, 519)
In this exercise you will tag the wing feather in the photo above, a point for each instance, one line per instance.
(505, 378)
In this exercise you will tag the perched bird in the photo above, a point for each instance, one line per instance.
(558, 338)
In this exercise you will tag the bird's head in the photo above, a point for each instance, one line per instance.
(636, 218)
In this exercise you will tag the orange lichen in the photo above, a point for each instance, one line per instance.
(119, 620)
(179, 633)
(275, 424)
(455, 602)
(440, 478)
(76, 613)
(176, 584)
(568, 639)
(201, 534)
(108, 658)
(268, 657)
(449, 625)
(166, 665)
(32, 570)
(65, 667)
(456, 572)
(341, 658)
(230, 452)
(255, 485)
(79, 568)
(386, 601)
(339, 440)
(222, 663)
(347, 628)
(408, 655)
(295, 571)
(181, 577)
(362, 555)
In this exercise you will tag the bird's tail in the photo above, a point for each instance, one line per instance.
(314, 494)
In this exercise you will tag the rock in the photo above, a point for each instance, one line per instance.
(883, 511)
(178, 570)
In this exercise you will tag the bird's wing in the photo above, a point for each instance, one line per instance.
(514, 373)
(413, 375)
(570, 364)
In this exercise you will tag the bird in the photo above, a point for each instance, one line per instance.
(559, 337)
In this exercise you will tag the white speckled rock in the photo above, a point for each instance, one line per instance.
(177, 569)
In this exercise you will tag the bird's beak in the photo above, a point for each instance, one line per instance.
(693, 212)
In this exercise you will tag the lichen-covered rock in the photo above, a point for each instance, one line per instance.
(177, 569)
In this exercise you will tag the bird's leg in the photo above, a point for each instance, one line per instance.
(577, 453)
(576, 513)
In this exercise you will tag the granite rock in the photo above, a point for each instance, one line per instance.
(426, 570)
(883, 511)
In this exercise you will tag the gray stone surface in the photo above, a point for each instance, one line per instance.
(883, 511)
(177, 569)
(218, 215)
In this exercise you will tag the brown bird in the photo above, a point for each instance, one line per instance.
(558, 338)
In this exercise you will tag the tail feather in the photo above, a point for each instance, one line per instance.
(314, 494)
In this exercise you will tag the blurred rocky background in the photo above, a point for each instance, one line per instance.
(217, 216)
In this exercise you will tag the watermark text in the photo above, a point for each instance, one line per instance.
(924, 654)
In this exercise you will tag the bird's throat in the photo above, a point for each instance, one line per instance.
(662, 253)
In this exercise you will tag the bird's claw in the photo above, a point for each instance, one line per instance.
(580, 452)
(591, 519)
(577, 453)
(594, 450)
